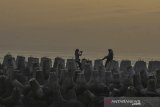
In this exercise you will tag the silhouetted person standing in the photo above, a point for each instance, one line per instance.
(78, 53)
(109, 57)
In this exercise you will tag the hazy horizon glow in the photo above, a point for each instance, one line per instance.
(127, 26)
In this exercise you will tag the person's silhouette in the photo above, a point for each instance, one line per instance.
(109, 57)
(78, 53)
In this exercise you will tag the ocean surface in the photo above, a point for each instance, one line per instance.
(70, 54)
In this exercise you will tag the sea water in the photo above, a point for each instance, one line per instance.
(70, 55)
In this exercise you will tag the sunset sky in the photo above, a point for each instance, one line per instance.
(127, 26)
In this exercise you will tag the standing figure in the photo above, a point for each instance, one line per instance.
(78, 53)
(109, 57)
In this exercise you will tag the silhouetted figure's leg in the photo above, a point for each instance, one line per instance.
(79, 64)
(107, 63)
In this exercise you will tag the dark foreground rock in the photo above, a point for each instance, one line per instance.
(38, 83)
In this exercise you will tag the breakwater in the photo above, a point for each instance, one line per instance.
(43, 82)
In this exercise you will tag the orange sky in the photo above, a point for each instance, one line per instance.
(127, 26)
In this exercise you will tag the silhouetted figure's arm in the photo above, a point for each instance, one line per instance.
(80, 53)
(105, 58)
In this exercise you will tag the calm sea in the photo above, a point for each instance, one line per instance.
(70, 55)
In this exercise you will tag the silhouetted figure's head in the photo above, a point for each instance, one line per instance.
(110, 50)
(77, 50)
